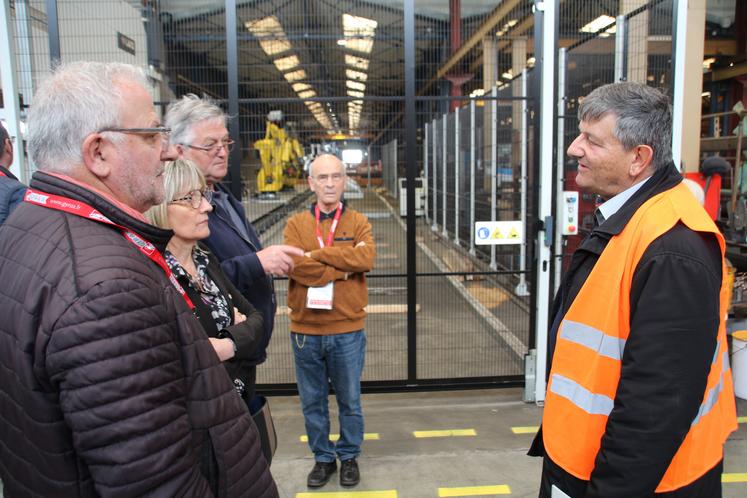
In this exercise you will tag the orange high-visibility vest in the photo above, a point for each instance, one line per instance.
(591, 339)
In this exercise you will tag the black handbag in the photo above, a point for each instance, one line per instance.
(259, 408)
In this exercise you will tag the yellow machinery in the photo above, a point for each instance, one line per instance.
(280, 154)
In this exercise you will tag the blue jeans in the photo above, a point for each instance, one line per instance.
(337, 359)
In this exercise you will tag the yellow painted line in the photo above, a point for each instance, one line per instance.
(389, 493)
(446, 433)
(370, 309)
(742, 420)
(500, 489)
(525, 430)
(368, 436)
(734, 477)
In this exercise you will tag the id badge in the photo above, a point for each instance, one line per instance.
(320, 298)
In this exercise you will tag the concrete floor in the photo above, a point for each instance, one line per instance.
(411, 467)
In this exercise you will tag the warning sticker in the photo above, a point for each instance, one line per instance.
(498, 232)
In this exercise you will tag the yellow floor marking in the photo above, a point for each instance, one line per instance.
(389, 493)
(371, 308)
(525, 430)
(742, 420)
(446, 433)
(500, 489)
(369, 436)
(733, 477)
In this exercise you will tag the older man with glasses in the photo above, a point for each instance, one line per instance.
(110, 387)
(199, 134)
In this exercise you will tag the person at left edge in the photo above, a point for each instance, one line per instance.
(109, 385)
(11, 190)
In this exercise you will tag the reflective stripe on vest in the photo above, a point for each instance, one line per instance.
(587, 360)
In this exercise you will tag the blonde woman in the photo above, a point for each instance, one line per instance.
(232, 324)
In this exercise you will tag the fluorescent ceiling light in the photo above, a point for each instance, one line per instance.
(598, 23)
(477, 93)
(293, 76)
(307, 94)
(356, 75)
(270, 35)
(364, 45)
(274, 47)
(507, 75)
(286, 63)
(356, 62)
(300, 87)
(356, 85)
(355, 93)
(530, 62)
(707, 62)
(359, 33)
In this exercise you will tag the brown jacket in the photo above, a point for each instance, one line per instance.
(109, 386)
(345, 262)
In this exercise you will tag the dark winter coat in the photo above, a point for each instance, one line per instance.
(239, 261)
(674, 320)
(109, 385)
(11, 193)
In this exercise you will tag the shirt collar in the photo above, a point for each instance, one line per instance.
(613, 205)
(324, 216)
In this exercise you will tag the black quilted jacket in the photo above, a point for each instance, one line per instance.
(108, 385)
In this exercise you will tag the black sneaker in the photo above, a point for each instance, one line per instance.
(320, 474)
(349, 473)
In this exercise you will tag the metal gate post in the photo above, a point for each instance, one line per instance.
(434, 226)
(545, 10)
(472, 177)
(493, 167)
(560, 166)
(443, 175)
(522, 289)
(456, 174)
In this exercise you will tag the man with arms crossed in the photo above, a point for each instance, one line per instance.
(327, 295)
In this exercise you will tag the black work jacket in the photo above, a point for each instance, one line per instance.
(674, 319)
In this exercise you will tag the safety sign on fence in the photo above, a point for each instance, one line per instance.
(498, 232)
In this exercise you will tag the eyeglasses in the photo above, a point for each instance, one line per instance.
(215, 148)
(194, 198)
(158, 130)
(336, 177)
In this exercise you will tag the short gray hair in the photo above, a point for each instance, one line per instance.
(644, 117)
(179, 176)
(186, 112)
(77, 99)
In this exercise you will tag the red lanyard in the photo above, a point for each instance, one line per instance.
(3, 174)
(335, 220)
(83, 210)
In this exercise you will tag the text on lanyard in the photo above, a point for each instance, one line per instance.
(83, 210)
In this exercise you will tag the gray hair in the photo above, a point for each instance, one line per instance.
(179, 177)
(644, 117)
(186, 112)
(77, 99)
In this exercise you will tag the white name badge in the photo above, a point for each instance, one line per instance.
(320, 298)
(557, 493)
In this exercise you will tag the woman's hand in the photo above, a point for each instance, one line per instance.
(223, 347)
(238, 317)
